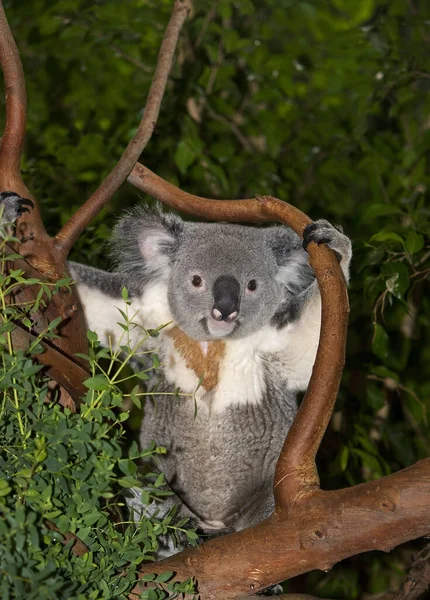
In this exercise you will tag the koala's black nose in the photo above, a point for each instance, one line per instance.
(226, 293)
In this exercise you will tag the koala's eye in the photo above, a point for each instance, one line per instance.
(197, 281)
(252, 285)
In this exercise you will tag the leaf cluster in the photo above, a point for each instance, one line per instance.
(65, 530)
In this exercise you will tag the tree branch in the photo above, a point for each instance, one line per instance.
(315, 533)
(11, 145)
(248, 210)
(68, 235)
(61, 368)
(418, 578)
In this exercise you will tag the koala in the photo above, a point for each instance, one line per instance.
(241, 312)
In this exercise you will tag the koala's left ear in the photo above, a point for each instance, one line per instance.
(144, 244)
(294, 270)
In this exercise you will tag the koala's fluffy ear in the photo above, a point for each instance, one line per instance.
(294, 270)
(144, 244)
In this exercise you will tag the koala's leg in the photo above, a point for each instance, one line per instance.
(160, 510)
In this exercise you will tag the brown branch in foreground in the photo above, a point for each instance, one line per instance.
(317, 532)
(75, 226)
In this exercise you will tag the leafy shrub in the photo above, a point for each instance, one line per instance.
(64, 532)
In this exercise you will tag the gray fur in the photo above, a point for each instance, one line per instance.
(221, 457)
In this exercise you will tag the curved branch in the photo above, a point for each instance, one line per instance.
(75, 226)
(249, 210)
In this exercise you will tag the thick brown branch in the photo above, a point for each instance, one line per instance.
(77, 223)
(315, 534)
(12, 143)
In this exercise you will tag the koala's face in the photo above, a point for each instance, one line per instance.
(223, 282)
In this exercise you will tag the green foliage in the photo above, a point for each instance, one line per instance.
(63, 473)
(322, 104)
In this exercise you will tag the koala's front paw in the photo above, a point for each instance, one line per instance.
(323, 232)
(12, 206)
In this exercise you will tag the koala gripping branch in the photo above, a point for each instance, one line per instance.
(309, 529)
(296, 473)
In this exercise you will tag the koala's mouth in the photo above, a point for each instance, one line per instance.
(219, 329)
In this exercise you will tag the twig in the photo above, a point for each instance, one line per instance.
(244, 142)
(210, 15)
(75, 226)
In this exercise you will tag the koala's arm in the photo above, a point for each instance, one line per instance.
(100, 293)
(295, 305)
(297, 323)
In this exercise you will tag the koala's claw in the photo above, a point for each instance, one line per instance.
(13, 206)
(323, 232)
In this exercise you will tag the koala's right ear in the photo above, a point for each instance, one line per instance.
(144, 244)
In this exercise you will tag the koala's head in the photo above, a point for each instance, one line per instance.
(222, 281)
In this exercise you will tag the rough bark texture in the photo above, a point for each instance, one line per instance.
(314, 533)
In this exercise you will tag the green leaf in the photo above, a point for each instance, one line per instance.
(386, 236)
(164, 577)
(92, 336)
(414, 242)
(397, 281)
(186, 153)
(381, 343)
(98, 382)
(344, 455)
